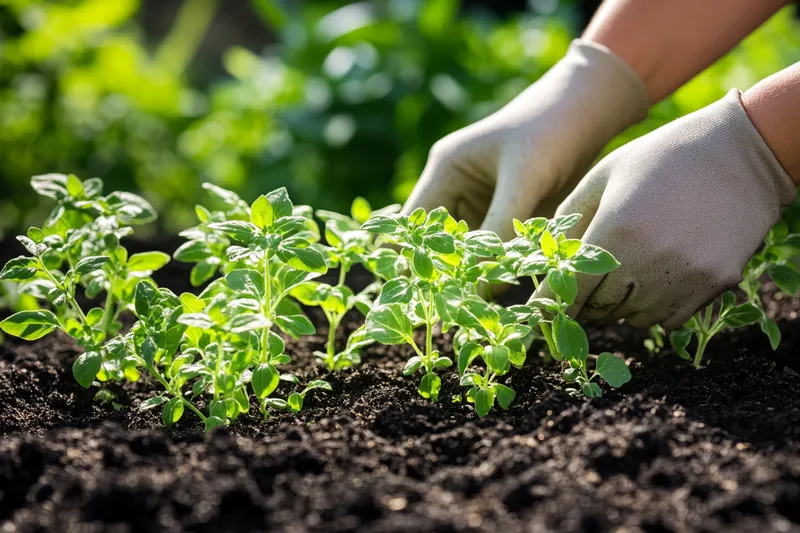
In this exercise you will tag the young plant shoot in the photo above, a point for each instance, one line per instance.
(79, 247)
(541, 250)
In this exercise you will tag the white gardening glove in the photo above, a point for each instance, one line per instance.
(531, 152)
(682, 209)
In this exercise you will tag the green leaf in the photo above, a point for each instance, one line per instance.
(594, 260)
(308, 259)
(388, 324)
(679, 340)
(417, 217)
(248, 281)
(317, 384)
(563, 284)
(92, 187)
(412, 365)
(281, 204)
(238, 230)
(360, 210)
(441, 243)
(35, 234)
(772, 331)
(145, 296)
(265, 380)
(497, 358)
(295, 325)
(382, 224)
(172, 412)
(548, 244)
(568, 248)
(214, 422)
(131, 208)
(191, 303)
(533, 265)
(90, 264)
(74, 186)
(612, 369)
(275, 345)
(245, 322)
(484, 243)
(429, 386)
(442, 362)
(50, 185)
(150, 403)
(276, 403)
(742, 315)
(149, 350)
(786, 277)
(484, 399)
(592, 390)
(94, 316)
(30, 325)
(295, 402)
(202, 272)
(423, 266)
(261, 213)
(86, 367)
(466, 355)
(19, 269)
(505, 395)
(147, 261)
(192, 252)
(570, 338)
(398, 290)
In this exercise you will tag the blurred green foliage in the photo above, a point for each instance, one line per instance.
(347, 101)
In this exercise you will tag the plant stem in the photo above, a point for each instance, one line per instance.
(342, 274)
(548, 336)
(156, 374)
(108, 316)
(267, 307)
(702, 342)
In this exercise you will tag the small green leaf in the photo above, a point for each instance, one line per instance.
(74, 186)
(786, 277)
(295, 325)
(563, 284)
(172, 412)
(19, 269)
(441, 243)
(423, 266)
(202, 272)
(570, 338)
(149, 350)
(568, 248)
(772, 331)
(484, 399)
(612, 369)
(548, 244)
(442, 362)
(505, 395)
(275, 345)
(281, 204)
(743, 315)
(248, 281)
(192, 252)
(145, 296)
(417, 217)
(35, 234)
(276, 403)
(592, 390)
(497, 358)
(94, 316)
(412, 365)
(90, 264)
(150, 403)
(594, 260)
(147, 261)
(360, 210)
(388, 324)
(429, 386)
(86, 367)
(30, 325)
(382, 224)
(295, 402)
(261, 213)
(398, 290)
(238, 230)
(265, 380)
(214, 422)
(680, 339)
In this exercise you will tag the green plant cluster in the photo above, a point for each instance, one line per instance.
(215, 352)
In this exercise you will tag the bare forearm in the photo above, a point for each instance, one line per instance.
(668, 42)
(773, 105)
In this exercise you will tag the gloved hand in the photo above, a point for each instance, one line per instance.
(682, 209)
(531, 152)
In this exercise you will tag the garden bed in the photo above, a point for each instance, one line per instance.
(673, 450)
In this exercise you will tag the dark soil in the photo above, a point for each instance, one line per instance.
(674, 450)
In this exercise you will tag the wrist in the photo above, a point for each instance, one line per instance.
(773, 106)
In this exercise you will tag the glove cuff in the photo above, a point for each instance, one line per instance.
(619, 95)
(774, 179)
